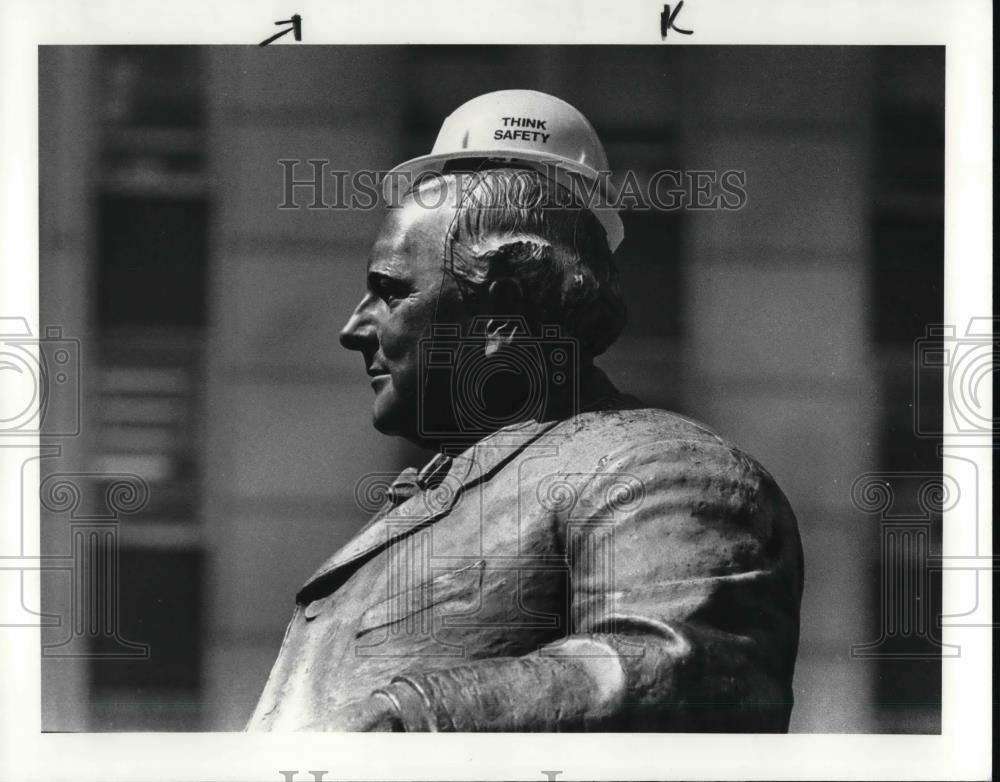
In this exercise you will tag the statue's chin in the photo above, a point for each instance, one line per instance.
(393, 419)
(384, 424)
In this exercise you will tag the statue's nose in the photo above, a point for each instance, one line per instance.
(358, 330)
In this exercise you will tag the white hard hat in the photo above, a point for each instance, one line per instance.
(528, 128)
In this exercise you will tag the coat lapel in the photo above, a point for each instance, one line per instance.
(475, 465)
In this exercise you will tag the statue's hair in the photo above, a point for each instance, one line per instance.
(518, 223)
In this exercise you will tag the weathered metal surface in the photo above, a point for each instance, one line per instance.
(625, 569)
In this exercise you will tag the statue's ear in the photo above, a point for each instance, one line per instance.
(509, 257)
(507, 300)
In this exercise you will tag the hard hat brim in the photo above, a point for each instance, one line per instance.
(425, 164)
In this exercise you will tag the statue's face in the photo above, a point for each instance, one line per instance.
(407, 292)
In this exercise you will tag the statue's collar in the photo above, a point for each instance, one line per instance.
(416, 506)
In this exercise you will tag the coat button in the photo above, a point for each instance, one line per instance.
(313, 610)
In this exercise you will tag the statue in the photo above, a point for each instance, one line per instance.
(569, 560)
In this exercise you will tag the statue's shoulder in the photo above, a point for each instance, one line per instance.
(634, 425)
(653, 436)
(675, 458)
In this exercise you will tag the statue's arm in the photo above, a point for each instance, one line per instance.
(693, 627)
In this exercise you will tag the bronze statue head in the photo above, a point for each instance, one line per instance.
(487, 293)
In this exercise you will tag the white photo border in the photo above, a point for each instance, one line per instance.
(962, 751)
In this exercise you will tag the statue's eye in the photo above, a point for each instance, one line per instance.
(392, 293)
(388, 289)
